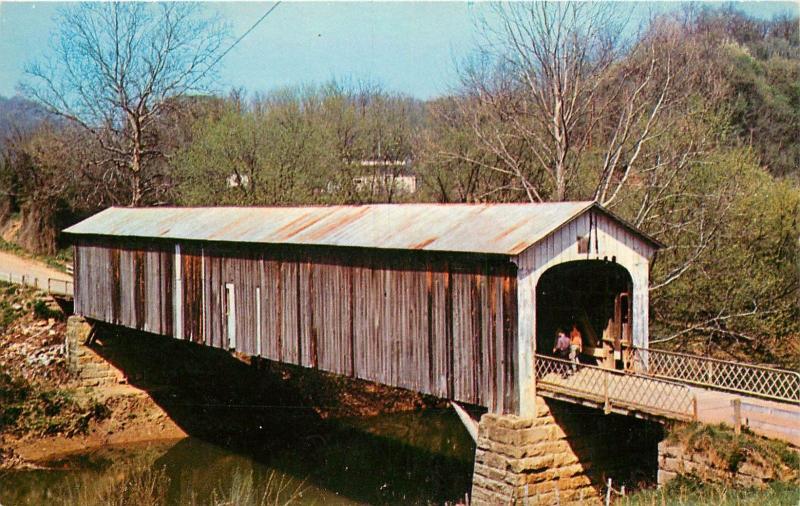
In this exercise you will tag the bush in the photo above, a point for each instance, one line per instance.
(42, 311)
(28, 408)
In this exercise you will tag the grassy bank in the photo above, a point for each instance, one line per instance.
(729, 450)
(685, 491)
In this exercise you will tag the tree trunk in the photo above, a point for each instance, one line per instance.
(6, 209)
(136, 164)
(136, 189)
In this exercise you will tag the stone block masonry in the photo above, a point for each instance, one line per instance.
(87, 367)
(561, 455)
(676, 458)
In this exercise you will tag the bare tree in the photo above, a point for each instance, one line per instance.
(114, 68)
(551, 84)
(560, 105)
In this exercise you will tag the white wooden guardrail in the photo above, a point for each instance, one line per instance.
(755, 380)
(50, 285)
(613, 389)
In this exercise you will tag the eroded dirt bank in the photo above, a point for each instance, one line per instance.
(171, 389)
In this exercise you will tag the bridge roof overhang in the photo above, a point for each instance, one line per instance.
(498, 229)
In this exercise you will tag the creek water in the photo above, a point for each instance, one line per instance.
(422, 457)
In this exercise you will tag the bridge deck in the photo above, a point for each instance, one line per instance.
(613, 390)
(636, 394)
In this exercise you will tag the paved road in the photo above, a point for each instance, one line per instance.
(776, 420)
(13, 267)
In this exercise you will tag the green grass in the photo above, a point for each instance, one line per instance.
(686, 491)
(720, 442)
(28, 408)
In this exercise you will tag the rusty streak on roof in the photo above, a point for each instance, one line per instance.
(505, 229)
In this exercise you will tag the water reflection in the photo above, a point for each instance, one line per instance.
(409, 458)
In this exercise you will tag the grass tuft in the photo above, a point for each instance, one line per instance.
(42, 311)
(689, 491)
(722, 444)
(145, 486)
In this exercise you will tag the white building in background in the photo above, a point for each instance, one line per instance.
(393, 176)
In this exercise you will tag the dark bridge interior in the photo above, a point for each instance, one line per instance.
(595, 294)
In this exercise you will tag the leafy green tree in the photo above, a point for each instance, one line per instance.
(742, 295)
(247, 158)
(300, 146)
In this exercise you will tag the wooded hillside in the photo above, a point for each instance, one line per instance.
(688, 129)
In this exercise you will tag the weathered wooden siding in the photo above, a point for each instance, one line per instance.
(127, 286)
(434, 323)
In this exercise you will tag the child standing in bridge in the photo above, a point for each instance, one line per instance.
(575, 346)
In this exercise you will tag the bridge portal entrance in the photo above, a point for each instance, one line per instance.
(596, 295)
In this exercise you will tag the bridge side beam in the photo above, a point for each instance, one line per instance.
(469, 423)
(526, 337)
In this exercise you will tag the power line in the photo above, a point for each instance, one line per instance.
(237, 41)
(246, 33)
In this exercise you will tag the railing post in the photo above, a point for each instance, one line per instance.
(607, 403)
(737, 416)
(694, 408)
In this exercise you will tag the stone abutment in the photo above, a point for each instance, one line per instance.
(563, 454)
(84, 364)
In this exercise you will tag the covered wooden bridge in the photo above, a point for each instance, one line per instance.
(449, 300)
(461, 302)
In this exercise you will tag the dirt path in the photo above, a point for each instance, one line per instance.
(13, 267)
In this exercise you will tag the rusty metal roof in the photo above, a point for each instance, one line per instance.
(506, 229)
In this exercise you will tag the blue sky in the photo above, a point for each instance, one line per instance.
(408, 47)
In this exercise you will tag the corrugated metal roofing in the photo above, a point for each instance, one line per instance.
(506, 229)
